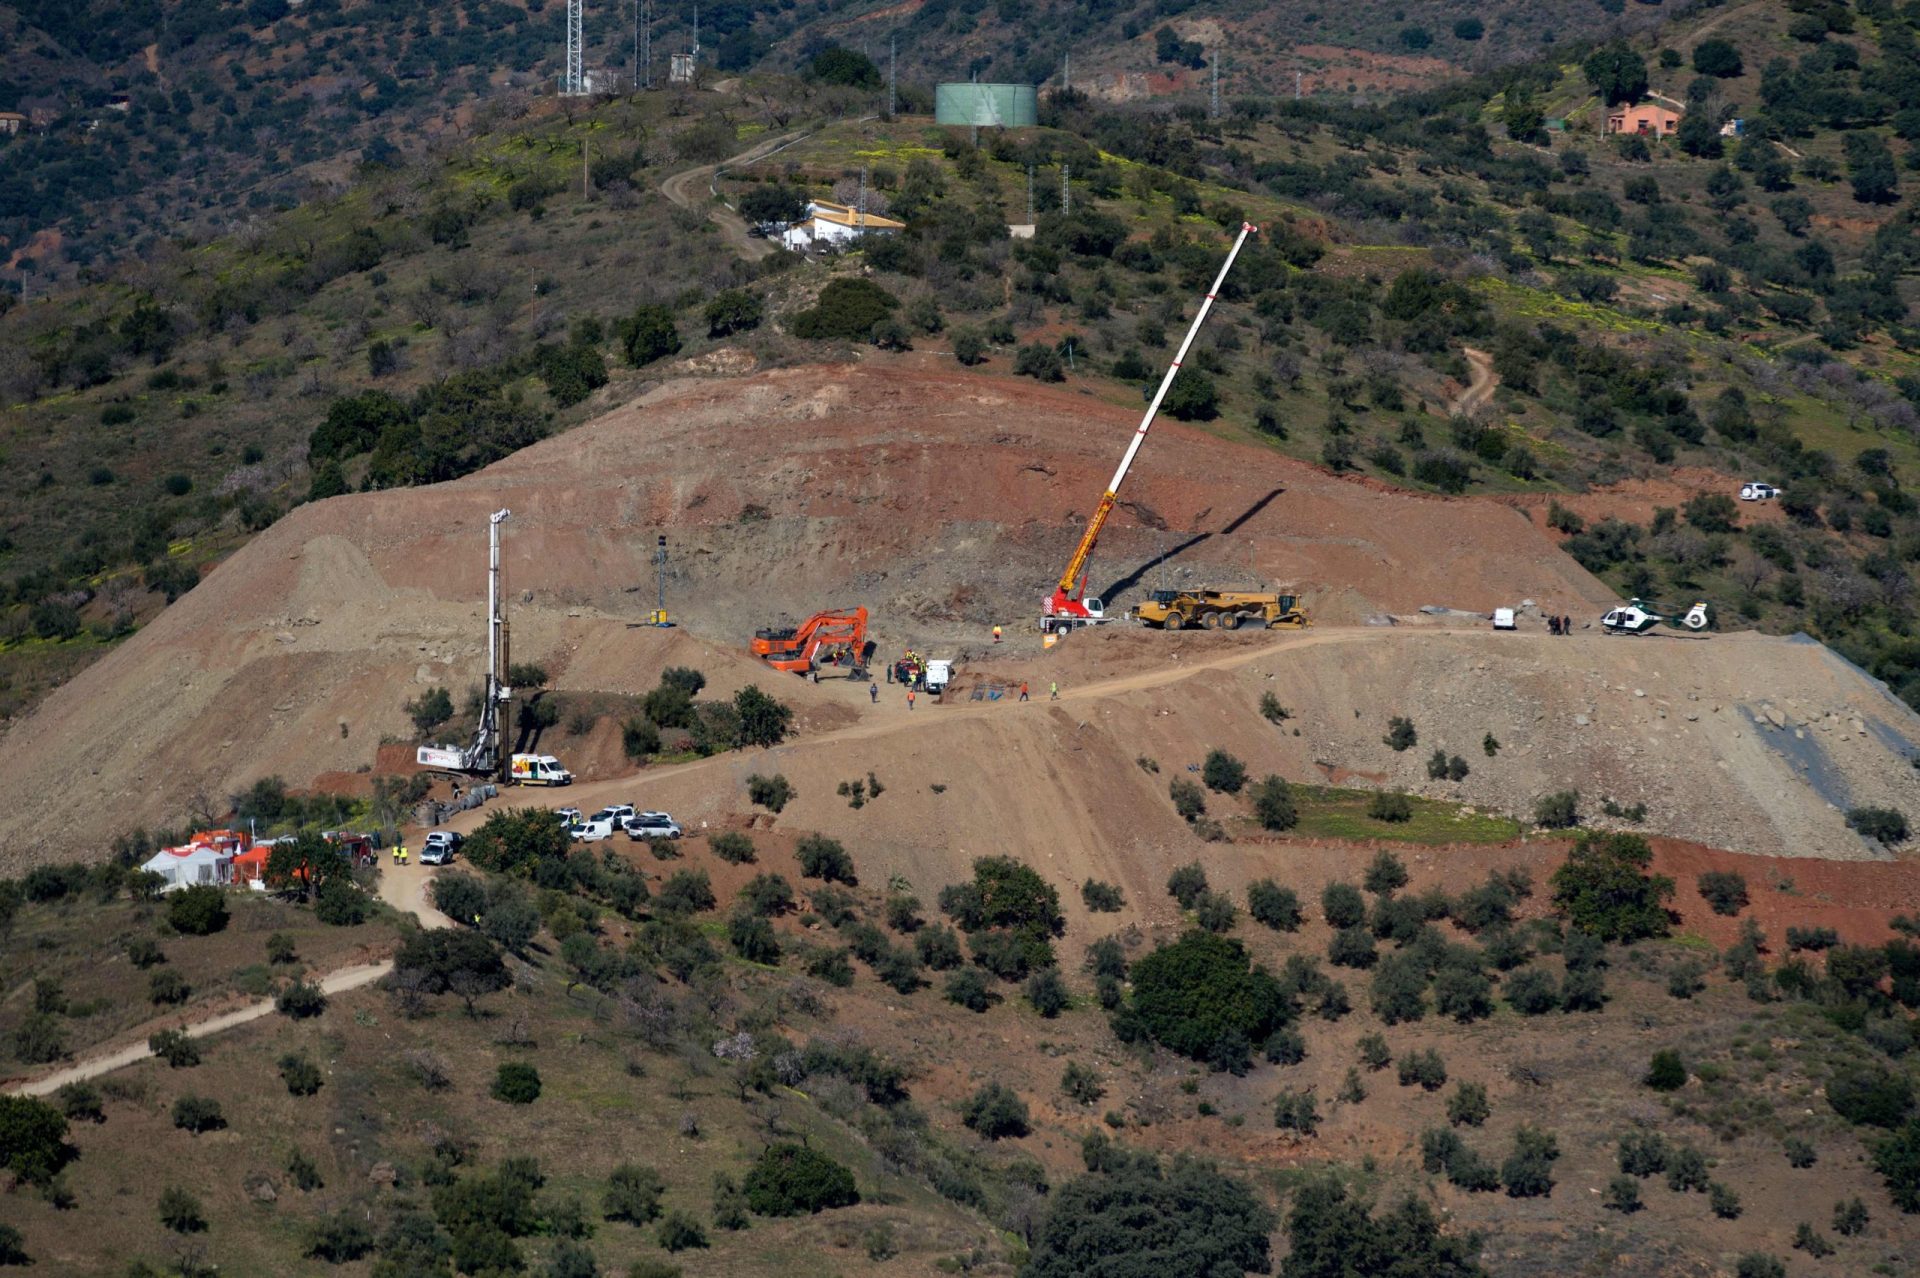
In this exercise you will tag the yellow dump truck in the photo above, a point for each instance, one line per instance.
(1220, 610)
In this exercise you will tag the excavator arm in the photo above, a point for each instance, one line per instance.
(1067, 597)
(796, 652)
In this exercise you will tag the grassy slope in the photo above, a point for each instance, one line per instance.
(619, 1087)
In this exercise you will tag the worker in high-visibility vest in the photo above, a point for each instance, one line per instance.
(996, 634)
(403, 854)
(396, 854)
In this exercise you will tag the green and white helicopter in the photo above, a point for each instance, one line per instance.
(1636, 618)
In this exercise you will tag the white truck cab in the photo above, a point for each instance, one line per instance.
(1758, 492)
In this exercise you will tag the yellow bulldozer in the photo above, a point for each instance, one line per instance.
(1220, 610)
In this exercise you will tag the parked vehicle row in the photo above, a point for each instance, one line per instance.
(619, 818)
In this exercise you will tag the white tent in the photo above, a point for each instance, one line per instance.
(192, 865)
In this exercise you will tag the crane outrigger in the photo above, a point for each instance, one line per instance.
(1068, 607)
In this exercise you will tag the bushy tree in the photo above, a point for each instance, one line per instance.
(33, 1139)
(1617, 73)
(1223, 773)
(1132, 1217)
(1603, 888)
(1275, 906)
(1724, 890)
(516, 1082)
(1335, 1235)
(1187, 884)
(1194, 995)
(648, 334)
(1273, 804)
(996, 1112)
(847, 310)
(790, 1179)
(200, 910)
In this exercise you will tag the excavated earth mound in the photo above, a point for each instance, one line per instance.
(945, 502)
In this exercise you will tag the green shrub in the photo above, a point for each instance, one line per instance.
(1528, 1171)
(33, 1139)
(1468, 1105)
(301, 1075)
(1759, 1265)
(995, 1112)
(1102, 898)
(847, 309)
(1870, 1095)
(197, 911)
(301, 1000)
(1385, 874)
(1799, 1153)
(648, 334)
(633, 1194)
(198, 1114)
(1401, 735)
(1884, 824)
(340, 1238)
(824, 858)
(771, 793)
(1342, 905)
(516, 1083)
(1275, 906)
(1187, 884)
(1724, 1202)
(1724, 890)
(1202, 998)
(1424, 1068)
(1623, 1195)
(1374, 1053)
(681, 1232)
(969, 988)
(181, 1212)
(790, 1180)
(1047, 992)
(80, 1102)
(1223, 773)
(1081, 1084)
(1603, 889)
(1295, 1111)
(732, 847)
(1273, 804)
(176, 1047)
(1188, 800)
(1667, 1072)
(1390, 806)
(1557, 811)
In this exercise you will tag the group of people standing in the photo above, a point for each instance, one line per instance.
(1559, 625)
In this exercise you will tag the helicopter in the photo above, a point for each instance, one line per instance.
(1636, 618)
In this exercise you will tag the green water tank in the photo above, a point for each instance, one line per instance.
(1007, 106)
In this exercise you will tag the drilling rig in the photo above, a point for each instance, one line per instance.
(1068, 607)
(484, 757)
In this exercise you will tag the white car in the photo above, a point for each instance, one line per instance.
(567, 816)
(653, 825)
(614, 812)
(591, 831)
(1758, 492)
(439, 847)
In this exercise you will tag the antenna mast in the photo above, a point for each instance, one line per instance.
(574, 84)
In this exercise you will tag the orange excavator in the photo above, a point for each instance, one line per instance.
(1068, 606)
(836, 638)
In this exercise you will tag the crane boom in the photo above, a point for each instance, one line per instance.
(1066, 601)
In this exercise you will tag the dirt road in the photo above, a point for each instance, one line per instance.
(405, 889)
(1479, 386)
(693, 189)
(336, 982)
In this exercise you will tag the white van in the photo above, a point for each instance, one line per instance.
(538, 769)
(1758, 492)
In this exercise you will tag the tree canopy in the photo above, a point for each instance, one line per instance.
(1129, 1217)
(1603, 888)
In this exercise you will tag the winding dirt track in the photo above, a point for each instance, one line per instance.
(335, 982)
(404, 889)
(1480, 385)
(693, 189)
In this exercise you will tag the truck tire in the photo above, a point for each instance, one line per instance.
(1210, 620)
(1173, 622)
(1229, 620)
